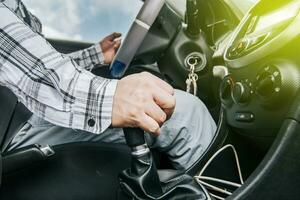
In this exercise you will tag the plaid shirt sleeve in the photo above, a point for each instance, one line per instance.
(50, 84)
(88, 58)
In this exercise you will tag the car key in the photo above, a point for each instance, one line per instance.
(192, 77)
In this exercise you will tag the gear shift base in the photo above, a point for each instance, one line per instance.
(142, 182)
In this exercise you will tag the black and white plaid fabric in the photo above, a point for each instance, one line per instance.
(20, 10)
(50, 84)
(87, 58)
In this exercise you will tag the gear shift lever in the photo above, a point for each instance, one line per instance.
(142, 166)
(134, 137)
(142, 182)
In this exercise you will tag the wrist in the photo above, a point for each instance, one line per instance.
(99, 54)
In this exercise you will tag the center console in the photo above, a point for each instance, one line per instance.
(262, 61)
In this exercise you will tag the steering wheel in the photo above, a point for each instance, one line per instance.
(135, 36)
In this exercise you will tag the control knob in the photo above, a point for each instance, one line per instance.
(240, 93)
(226, 89)
(266, 85)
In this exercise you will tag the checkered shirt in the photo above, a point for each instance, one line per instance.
(52, 85)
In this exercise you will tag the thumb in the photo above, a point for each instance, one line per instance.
(117, 45)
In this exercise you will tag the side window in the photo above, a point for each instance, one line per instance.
(88, 20)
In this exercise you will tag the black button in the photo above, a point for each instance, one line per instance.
(244, 117)
(91, 122)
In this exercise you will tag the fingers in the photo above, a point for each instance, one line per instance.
(149, 125)
(162, 94)
(169, 112)
(156, 113)
(164, 99)
(117, 45)
(142, 101)
(113, 36)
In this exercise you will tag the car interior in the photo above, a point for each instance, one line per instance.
(248, 69)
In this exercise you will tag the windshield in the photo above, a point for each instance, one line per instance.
(88, 20)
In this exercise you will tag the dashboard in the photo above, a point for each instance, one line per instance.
(262, 58)
(261, 26)
(259, 51)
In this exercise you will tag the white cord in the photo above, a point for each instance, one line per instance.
(200, 178)
(217, 153)
(217, 197)
(219, 181)
(215, 188)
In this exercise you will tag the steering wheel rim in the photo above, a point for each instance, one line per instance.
(136, 35)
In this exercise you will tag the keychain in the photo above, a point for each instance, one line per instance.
(192, 77)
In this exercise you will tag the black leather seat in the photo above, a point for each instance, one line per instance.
(12, 116)
(71, 171)
(75, 171)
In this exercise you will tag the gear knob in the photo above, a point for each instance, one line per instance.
(134, 137)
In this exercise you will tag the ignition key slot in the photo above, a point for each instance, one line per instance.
(198, 58)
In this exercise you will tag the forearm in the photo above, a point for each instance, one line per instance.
(50, 84)
(88, 58)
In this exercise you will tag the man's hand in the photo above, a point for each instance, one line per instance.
(142, 100)
(109, 47)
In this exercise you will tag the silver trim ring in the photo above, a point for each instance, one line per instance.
(142, 24)
(200, 58)
(140, 150)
